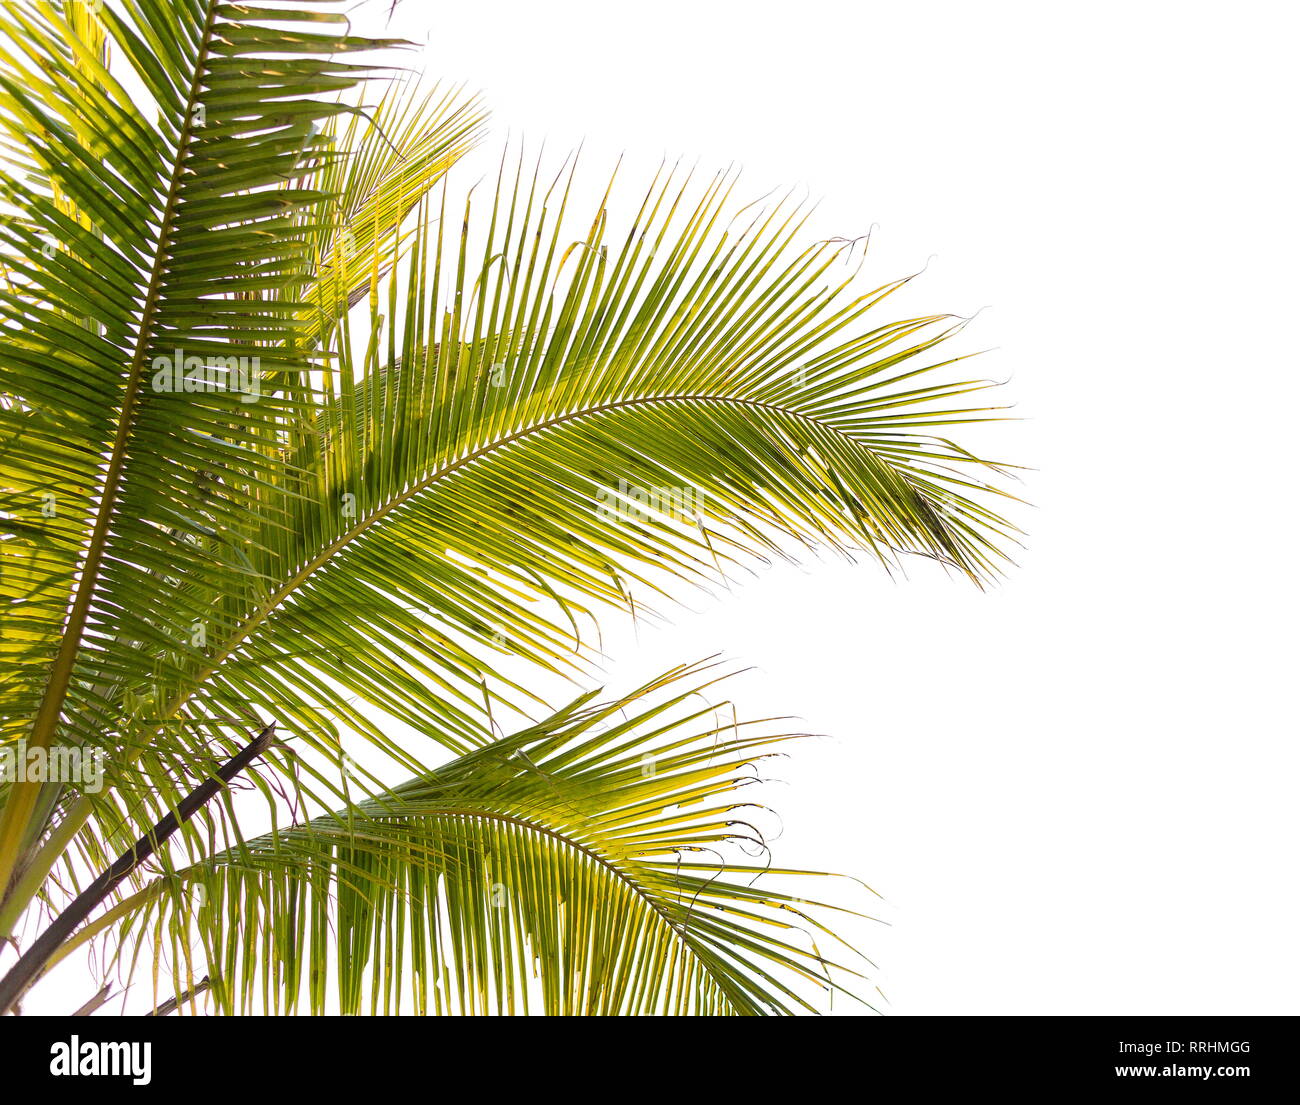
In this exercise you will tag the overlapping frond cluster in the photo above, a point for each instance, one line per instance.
(287, 435)
(576, 868)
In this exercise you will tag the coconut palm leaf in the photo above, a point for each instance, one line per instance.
(141, 241)
(475, 479)
(575, 868)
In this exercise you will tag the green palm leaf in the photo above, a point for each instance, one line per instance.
(178, 252)
(482, 470)
(575, 868)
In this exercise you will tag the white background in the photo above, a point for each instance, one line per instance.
(1076, 792)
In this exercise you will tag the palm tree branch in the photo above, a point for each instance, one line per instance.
(568, 780)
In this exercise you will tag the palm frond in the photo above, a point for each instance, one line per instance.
(576, 868)
(486, 489)
(147, 251)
